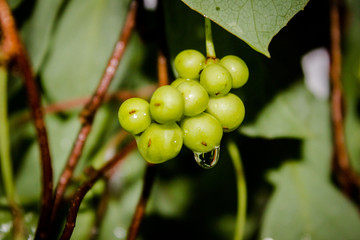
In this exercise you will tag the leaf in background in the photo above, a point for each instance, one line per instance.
(36, 32)
(256, 21)
(296, 113)
(61, 138)
(317, 150)
(83, 41)
(287, 116)
(305, 206)
(125, 187)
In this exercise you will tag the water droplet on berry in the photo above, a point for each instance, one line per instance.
(207, 160)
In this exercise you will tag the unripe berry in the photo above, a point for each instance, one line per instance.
(134, 115)
(160, 142)
(195, 96)
(216, 79)
(237, 68)
(229, 110)
(201, 133)
(189, 63)
(166, 105)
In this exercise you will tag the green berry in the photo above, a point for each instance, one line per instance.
(216, 79)
(237, 68)
(160, 142)
(195, 96)
(166, 105)
(134, 115)
(189, 63)
(229, 110)
(201, 133)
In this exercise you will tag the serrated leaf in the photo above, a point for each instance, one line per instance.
(83, 41)
(36, 32)
(307, 206)
(256, 21)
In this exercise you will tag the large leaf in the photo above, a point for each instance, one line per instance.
(287, 115)
(37, 31)
(305, 206)
(62, 135)
(84, 39)
(255, 21)
(296, 113)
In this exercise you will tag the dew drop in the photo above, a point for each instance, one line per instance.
(209, 159)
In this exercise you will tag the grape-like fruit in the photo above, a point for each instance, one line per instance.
(195, 96)
(237, 68)
(177, 82)
(160, 142)
(189, 63)
(216, 79)
(228, 109)
(134, 115)
(201, 133)
(166, 105)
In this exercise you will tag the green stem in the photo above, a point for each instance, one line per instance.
(210, 49)
(4, 139)
(241, 190)
(5, 158)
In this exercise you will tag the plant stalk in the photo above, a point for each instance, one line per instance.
(7, 171)
(210, 49)
(5, 160)
(241, 190)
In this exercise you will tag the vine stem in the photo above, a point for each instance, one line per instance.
(13, 49)
(210, 49)
(5, 158)
(344, 174)
(6, 167)
(89, 112)
(241, 190)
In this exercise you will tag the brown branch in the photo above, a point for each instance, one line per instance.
(163, 76)
(346, 177)
(85, 187)
(14, 50)
(91, 108)
(121, 95)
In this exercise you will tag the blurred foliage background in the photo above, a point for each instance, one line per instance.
(285, 140)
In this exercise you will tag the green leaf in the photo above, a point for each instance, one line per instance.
(37, 31)
(286, 116)
(296, 113)
(306, 206)
(256, 21)
(61, 135)
(125, 187)
(83, 41)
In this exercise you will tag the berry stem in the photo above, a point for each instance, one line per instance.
(241, 190)
(210, 49)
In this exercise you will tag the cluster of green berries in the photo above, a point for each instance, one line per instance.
(194, 110)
